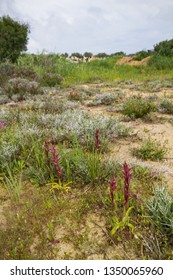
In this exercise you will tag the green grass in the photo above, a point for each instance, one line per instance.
(92, 72)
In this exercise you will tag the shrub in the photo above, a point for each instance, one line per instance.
(166, 106)
(82, 126)
(22, 87)
(51, 79)
(74, 95)
(152, 150)
(7, 70)
(141, 55)
(25, 73)
(161, 62)
(160, 210)
(3, 98)
(105, 98)
(137, 107)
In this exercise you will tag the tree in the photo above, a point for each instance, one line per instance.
(88, 54)
(78, 55)
(13, 38)
(164, 48)
(102, 55)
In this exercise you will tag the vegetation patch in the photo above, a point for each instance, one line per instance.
(137, 107)
(150, 149)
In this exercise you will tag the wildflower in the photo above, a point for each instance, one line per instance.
(3, 124)
(50, 92)
(127, 171)
(54, 157)
(113, 186)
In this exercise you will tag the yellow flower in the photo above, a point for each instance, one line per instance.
(50, 92)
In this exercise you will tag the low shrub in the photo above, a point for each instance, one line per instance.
(22, 87)
(78, 124)
(137, 107)
(150, 149)
(74, 95)
(7, 71)
(25, 73)
(160, 210)
(105, 98)
(51, 79)
(166, 106)
(141, 55)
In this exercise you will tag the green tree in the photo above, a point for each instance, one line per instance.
(102, 55)
(88, 54)
(164, 48)
(13, 38)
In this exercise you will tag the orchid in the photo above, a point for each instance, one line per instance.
(113, 186)
(54, 158)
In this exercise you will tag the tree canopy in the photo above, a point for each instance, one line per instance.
(13, 38)
(164, 48)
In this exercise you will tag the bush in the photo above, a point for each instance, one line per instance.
(166, 106)
(51, 79)
(137, 107)
(25, 73)
(161, 62)
(22, 87)
(7, 70)
(14, 38)
(141, 55)
(160, 210)
(152, 150)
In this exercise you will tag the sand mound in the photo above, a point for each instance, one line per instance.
(124, 60)
(128, 60)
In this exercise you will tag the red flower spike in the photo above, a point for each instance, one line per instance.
(113, 186)
(54, 157)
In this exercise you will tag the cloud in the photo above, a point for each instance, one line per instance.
(93, 25)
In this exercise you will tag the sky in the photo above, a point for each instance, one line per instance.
(110, 26)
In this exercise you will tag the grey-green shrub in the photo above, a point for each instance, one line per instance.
(22, 88)
(166, 106)
(160, 210)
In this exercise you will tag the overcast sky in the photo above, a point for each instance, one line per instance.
(93, 25)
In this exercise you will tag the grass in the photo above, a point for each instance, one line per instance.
(94, 71)
(62, 193)
(150, 149)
